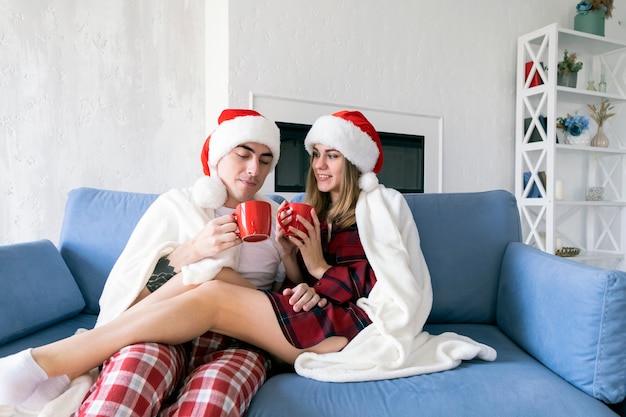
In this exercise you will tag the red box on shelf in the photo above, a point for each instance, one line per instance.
(536, 77)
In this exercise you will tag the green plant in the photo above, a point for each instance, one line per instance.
(569, 64)
(584, 7)
(600, 114)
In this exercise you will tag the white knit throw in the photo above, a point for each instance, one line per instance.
(395, 344)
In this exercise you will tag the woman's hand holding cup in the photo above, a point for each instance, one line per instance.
(290, 216)
(301, 227)
(286, 219)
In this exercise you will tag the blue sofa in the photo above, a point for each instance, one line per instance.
(559, 326)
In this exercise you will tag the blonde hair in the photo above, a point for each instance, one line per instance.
(343, 212)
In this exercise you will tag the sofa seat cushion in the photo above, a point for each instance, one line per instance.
(515, 384)
(50, 334)
(36, 288)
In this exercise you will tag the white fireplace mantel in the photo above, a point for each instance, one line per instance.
(293, 110)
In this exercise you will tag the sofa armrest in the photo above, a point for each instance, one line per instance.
(569, 316)
(37, 289)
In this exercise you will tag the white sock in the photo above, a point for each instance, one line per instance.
(46, 392)
(19, 377)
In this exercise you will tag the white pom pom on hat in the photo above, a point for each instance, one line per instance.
(355, 137)
(367, 182)
(209, 192)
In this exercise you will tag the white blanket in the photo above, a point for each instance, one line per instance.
(394, 345)
(171, 220)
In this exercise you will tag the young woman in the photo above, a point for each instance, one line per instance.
(329, 257)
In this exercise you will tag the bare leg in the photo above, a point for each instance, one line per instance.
(175, 286)
(232, 310)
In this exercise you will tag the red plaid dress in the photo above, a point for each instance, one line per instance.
(349, 278)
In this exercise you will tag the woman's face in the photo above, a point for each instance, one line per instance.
(327, 164)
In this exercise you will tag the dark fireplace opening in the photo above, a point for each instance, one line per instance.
(403, 167)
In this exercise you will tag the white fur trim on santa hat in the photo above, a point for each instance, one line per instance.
(356, 145)
(234, 132)
(209, 192)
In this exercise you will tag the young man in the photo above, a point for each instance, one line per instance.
(191, 231)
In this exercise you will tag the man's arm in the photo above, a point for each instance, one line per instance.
(218, 235)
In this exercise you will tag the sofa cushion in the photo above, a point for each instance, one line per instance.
(36, 287)
(463, 237)
(54, 332)
(96, 227)
(514, 385)
(569, 316)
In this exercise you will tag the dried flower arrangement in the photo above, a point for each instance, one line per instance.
(600, 114)
(584, 7)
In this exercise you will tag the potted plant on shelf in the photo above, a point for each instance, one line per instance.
(568, 70)
(600, 115)
(576, 129)
(590, 16)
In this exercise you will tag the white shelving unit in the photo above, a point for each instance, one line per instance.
(597, 228)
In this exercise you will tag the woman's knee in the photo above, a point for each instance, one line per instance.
(206, 299)
(330, 345)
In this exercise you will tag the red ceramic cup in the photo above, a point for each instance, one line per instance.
(301, 209)
(254, 219)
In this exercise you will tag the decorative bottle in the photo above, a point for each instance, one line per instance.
(602, 84)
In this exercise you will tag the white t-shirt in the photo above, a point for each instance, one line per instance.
(259, 262)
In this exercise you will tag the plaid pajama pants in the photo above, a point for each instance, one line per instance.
(213, 375)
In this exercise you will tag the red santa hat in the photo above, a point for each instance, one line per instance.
(235, 126)
(355, 137)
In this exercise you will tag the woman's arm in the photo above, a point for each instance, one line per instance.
(352, 277)
(347, 282)
(292, 269)
(288, 249)
(310, 246)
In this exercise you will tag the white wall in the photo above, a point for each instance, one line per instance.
(114, 94)
(451, 58)
(93, 93)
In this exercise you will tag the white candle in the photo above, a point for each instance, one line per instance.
(558, 190)
(557, 243)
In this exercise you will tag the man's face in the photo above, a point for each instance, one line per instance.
(243, 171)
